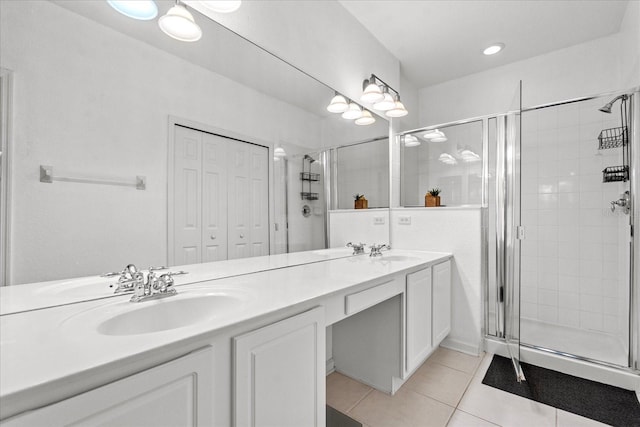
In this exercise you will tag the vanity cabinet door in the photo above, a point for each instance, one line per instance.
(177, 393)
(441, 301)
(418, 318)
(279, 373)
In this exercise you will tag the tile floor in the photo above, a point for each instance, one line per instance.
(446, 390)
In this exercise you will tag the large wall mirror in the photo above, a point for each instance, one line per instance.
(96, 96)
(448, 158)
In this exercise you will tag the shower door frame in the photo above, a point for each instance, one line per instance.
(634, 271)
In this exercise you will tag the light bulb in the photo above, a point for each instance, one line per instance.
(365, 119)
(279, 152)
(371, 93)
(143, 10)
(387, 103)
(398, 109)
(338, 104)
(411, 141)
(354, 112)
(179, 24)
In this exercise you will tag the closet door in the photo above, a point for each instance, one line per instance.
(239, 199)
(214, 198)
(259, 201)
(187, 205)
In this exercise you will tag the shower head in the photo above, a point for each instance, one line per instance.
(608, 105)
(308, 157)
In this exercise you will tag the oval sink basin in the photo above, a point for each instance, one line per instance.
(166, 314)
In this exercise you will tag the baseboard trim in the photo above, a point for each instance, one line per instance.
(463, 347)
(331, 366)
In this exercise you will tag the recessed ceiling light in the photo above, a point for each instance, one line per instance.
(493, 49)
(143, 10)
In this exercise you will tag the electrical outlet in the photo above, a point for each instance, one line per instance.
(378, 220)
(404, 220)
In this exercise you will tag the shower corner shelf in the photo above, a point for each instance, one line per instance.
(309, 176)
(612, 138)
(615, 174)
(309, 196)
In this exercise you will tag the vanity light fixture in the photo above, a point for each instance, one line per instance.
(179, 24)
(365, 119)
(435, 136)
(469, 156)
(411, 141)
(279, 152)
(493, 49)
(386, 103)
(398, 109)
(447, 159)
(353, 112)
(338, 104)
(222, 6)
(371, 91)
(143, 10)
(377, 93)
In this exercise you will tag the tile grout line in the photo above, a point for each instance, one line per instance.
(360, 400)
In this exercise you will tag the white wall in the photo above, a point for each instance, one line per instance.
(363, 169)
(319, 37)
(370, 226)
(92, 102)
(630, 46)
(455, 230)
(585, 69)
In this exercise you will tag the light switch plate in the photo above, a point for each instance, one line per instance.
(378, 220)
(404, 220)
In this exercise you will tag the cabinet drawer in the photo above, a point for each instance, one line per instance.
(369, 297)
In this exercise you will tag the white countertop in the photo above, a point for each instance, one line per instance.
(46, 346)
(35, 296)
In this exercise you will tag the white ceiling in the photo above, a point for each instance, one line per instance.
(440, 40)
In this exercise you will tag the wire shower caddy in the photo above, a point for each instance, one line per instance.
(617, 137)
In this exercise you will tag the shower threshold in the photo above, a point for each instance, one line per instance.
(587, 344)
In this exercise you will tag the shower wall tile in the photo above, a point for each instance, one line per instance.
(569, 317)
(548, 297)
(548, 313)
(592, 303)
(568, 300)
(591, 321)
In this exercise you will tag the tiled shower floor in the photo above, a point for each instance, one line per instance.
(446, 390)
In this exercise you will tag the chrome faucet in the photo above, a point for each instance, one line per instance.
(376, 250)
(133, 280)
(358, 248)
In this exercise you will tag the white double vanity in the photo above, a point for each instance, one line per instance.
(252, 348)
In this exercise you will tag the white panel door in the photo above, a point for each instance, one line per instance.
(239, 199)
(419, 343)
(441, 301)
(280, 373)
(214, 198)
(259, 201)
(187, 205)
(177, 393)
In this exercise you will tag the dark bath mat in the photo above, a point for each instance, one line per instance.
(338, 419)
(600, 402)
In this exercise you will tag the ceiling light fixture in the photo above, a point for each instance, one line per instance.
(222, 6)
(143, 10)
(353, 112)
(365, 119)
(371, 91)
(493, 49)
(338, 104)
(179, 24)
(411, 141)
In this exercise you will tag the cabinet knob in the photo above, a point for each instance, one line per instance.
(242, 236)
(213, 237)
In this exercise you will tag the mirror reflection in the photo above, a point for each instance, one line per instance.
(446, 161)
(98, 97)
